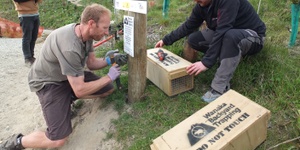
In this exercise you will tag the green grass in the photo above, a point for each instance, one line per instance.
(270, 78)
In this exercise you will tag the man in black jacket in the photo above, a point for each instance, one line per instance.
(234, 30)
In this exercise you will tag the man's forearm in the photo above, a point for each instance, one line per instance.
(82, 88)
(96, 64)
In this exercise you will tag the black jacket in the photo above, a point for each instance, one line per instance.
(220, 16)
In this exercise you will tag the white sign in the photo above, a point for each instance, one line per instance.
(129, 35)
(130, 5)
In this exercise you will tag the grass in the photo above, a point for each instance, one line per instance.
(270, 78)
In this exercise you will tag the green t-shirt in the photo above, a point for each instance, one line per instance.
(62, 54)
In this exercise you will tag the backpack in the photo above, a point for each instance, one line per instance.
(20, 1)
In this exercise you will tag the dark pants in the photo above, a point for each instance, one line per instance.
(30, 28)
(56, 100)
(235, 44)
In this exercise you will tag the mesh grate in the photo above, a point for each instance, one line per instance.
(181, 84)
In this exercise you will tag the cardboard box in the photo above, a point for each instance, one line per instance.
(230, 122)
(170, 74)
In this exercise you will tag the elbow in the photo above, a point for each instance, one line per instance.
(78, 93)
(89, 66)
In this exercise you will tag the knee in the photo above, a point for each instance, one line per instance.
(197, 41)
(193, 40)
(110, 92)
(229, 37)
(107, 93)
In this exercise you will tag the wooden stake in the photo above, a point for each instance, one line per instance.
(137, 64)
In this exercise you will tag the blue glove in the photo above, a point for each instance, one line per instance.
(114, 72)
(108, 60)
(108, 54)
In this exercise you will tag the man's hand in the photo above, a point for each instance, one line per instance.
(108, 57)
(159, 44)
(196, 68)
(114, 72)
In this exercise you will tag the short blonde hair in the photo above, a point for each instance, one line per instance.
(94, 12)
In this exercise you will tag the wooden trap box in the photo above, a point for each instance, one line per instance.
(231, 122)
(170, 74)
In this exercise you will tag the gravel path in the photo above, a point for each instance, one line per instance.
(19, 108)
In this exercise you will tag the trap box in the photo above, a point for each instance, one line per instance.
(170, 74)
(231, 122)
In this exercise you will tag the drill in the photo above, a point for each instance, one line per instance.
(161, 55)
(120, 59)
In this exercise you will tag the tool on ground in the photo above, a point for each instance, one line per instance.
(161, 55)
(112, 57)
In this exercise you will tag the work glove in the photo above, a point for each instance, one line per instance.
(121, 59)
(114, 72)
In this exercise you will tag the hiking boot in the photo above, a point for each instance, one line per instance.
(13, 143)
(32, 60)
(28, 62)
(211, 95)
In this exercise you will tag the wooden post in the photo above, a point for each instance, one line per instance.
(137, 64)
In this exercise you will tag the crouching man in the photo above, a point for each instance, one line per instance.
(58, 77)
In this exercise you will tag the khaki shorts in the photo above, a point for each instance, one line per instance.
(56, 102)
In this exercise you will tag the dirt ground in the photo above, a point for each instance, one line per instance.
(20, 111)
